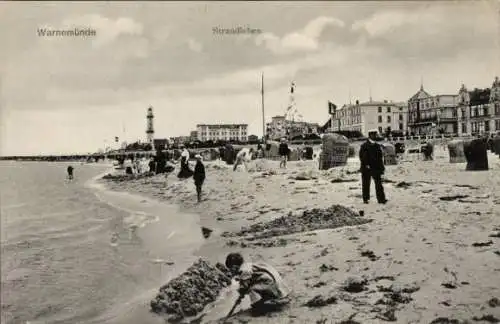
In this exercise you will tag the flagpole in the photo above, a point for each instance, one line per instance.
(331, 117)
(263, 116)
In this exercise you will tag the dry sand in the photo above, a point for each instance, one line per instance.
(432, 251)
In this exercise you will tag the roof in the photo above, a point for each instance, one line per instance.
(421, 94)
(479, 96)
(221, 125)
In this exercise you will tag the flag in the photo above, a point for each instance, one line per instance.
(292, 88)
(332, 108)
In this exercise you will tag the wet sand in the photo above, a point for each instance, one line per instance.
(432, 251)
(170, 236)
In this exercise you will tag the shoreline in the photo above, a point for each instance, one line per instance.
(168, 251)
(411, 240)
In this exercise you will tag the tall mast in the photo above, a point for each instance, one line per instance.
(263, 116)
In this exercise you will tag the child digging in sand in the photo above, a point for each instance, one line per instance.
(261, 282)
(243, 157)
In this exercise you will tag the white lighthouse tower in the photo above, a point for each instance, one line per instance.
(150, 132)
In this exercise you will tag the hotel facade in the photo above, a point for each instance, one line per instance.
(371, 115)
(225, 132)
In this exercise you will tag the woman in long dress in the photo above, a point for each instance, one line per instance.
(185, 171)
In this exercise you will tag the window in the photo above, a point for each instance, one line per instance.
(497, 109)
(388, 109)
(400, 116)
(464, 128)
(379, 119)
(400, 108)
(400, 126)
(379, 109)
(388, 119)
(497, 124)
(380, 129)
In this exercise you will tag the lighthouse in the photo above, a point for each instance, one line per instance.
(150, 132)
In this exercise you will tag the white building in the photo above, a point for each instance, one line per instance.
(370, 115)
(225, 132)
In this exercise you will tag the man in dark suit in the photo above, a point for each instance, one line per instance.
(372, 166)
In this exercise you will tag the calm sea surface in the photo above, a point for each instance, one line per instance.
(74, 253)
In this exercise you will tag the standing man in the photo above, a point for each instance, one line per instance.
(283, 151)
(372, 166)
(260, 281)
(243, 157)
(199, 175)
(70, 172)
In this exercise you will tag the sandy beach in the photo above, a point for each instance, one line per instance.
(431, 254)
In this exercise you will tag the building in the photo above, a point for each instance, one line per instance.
(362, 117)
(180, 140)
(429, 114)
(297, 128)
(224, 132)
(479, 110)
(276, 128)
(193, 135)
(253, 138)
(280, 127)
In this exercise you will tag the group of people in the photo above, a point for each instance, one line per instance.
(370, 154)
(261, 281)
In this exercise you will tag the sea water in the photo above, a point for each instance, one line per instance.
(72, 252)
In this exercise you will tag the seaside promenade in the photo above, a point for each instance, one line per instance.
(430, 255)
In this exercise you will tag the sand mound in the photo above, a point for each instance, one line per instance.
(188, 294)
(310, 220)
(127, 177)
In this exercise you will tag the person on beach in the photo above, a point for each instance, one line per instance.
(243, 157)
(70, 172)
(199, 175)
(260, 281)
(185, 171)
(283, 151)
(152, 165)
(372, 166)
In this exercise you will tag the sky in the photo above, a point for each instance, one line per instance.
(75, 94)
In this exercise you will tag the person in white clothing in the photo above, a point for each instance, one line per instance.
(185, 153)
(243, 157)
